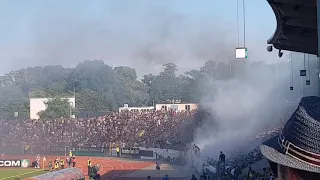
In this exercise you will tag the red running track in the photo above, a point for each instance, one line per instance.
(111, 168)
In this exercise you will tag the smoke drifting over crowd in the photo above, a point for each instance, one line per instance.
(146, 35)
(238, 109)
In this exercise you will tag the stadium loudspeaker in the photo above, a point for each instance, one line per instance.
(307, 82)
(303, 72)
(291, 88)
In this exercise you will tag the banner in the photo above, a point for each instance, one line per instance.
(12, 150)
(10, 163)
(131, 151)
(146, 153)
(25, 163)
(51, 150)
(89, 151)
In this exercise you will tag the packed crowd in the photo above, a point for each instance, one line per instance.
(233, 165)
(148, 128)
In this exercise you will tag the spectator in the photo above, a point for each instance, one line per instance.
(150, 128)
(250, 174)
(222, 157)
(165, 177)
(193, 177)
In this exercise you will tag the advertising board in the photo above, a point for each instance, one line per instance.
(10, 163)
(15, 163)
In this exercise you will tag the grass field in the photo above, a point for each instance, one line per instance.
(8, 174)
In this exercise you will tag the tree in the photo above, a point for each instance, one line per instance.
(101, 88)
(12, 99)
(56, 108)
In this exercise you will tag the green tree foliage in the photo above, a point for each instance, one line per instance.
(102, 88)
(12, 99)
(56, 108)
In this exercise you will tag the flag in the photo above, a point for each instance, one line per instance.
(43, 162)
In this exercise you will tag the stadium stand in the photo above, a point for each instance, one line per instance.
(162, 132)
(158, 129)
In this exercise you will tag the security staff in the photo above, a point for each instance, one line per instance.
(70, 153)
(56, 165)
(118, 151)
(62, 163)
(89, 167)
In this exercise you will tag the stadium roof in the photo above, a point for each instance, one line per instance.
(296, 25)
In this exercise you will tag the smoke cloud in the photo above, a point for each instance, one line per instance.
(236, 110)
(144, 35)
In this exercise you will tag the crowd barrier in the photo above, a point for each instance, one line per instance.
(32, 149)
(194, 161)
(69, 173)
(136, 153)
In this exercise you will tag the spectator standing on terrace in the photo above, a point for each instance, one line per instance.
(222, 163)
(165, 177)
(193, 177)
(222, 158)
(250, 174)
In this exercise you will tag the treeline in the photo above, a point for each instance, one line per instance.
(101, 88)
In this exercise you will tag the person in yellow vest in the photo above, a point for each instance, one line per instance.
(70, 153)
(62, 163)
(56, 165)
(89, 167)
(118, 151)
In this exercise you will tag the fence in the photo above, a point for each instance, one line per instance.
(40, 148)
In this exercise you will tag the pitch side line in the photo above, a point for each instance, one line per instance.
(21, 174)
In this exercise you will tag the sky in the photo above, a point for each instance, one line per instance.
(144, 34)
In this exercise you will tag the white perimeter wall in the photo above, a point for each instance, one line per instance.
(38, 104)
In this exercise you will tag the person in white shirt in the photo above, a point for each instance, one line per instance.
(38, 161)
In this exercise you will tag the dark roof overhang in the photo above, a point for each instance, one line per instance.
(296, 25)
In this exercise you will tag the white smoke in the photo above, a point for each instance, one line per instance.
(241, 108)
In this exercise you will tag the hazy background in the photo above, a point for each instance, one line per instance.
(143, 34)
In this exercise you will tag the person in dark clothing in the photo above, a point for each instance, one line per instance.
(193, 177)
(237, 172)
(250, 173)
(89, 167)
(149, 178)
(205, 176)
(221, 163)
(222, 157)
(69, 161)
